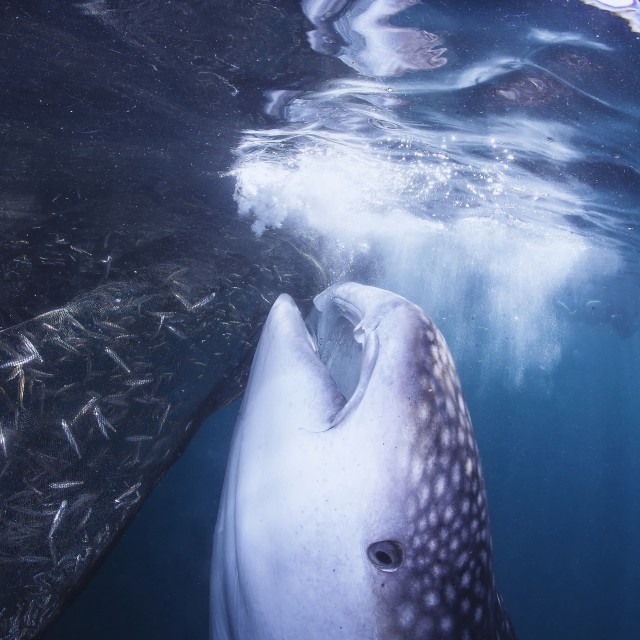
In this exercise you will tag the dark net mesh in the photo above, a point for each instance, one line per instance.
(98, 397)
(131, 294)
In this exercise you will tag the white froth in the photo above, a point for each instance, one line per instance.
(475, 240)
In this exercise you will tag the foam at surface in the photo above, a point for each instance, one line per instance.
(458, 221)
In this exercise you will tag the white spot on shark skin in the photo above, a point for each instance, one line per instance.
(440, 486)
(432, 599)
(461, 404)
(447, 357)
(456, 474)
(427, 582)
(423, 497)
(470, 443)
(438, 570)
(468, 467)
(450, 594)
(415, 588)
(462, 560)
(450, 388)
(407, 615)
(417, 468)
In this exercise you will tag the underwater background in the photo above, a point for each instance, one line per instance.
(481, 159)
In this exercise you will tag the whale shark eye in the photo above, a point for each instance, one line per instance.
(386, 555)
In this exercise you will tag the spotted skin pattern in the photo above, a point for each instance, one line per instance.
(445, 586)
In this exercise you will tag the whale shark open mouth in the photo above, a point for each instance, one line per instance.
(345, 344)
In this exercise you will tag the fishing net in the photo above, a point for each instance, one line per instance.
(132, 295)
(98, 397)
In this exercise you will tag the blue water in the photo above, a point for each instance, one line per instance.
(500, 191)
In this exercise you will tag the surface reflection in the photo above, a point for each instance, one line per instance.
(360, 33)
(627, 9)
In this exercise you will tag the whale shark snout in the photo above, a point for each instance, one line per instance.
(354, 505)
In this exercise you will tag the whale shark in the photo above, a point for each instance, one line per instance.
(354, 505)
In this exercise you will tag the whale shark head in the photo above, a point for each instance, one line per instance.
(354, 505)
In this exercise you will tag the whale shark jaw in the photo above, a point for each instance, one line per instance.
(354, 505)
